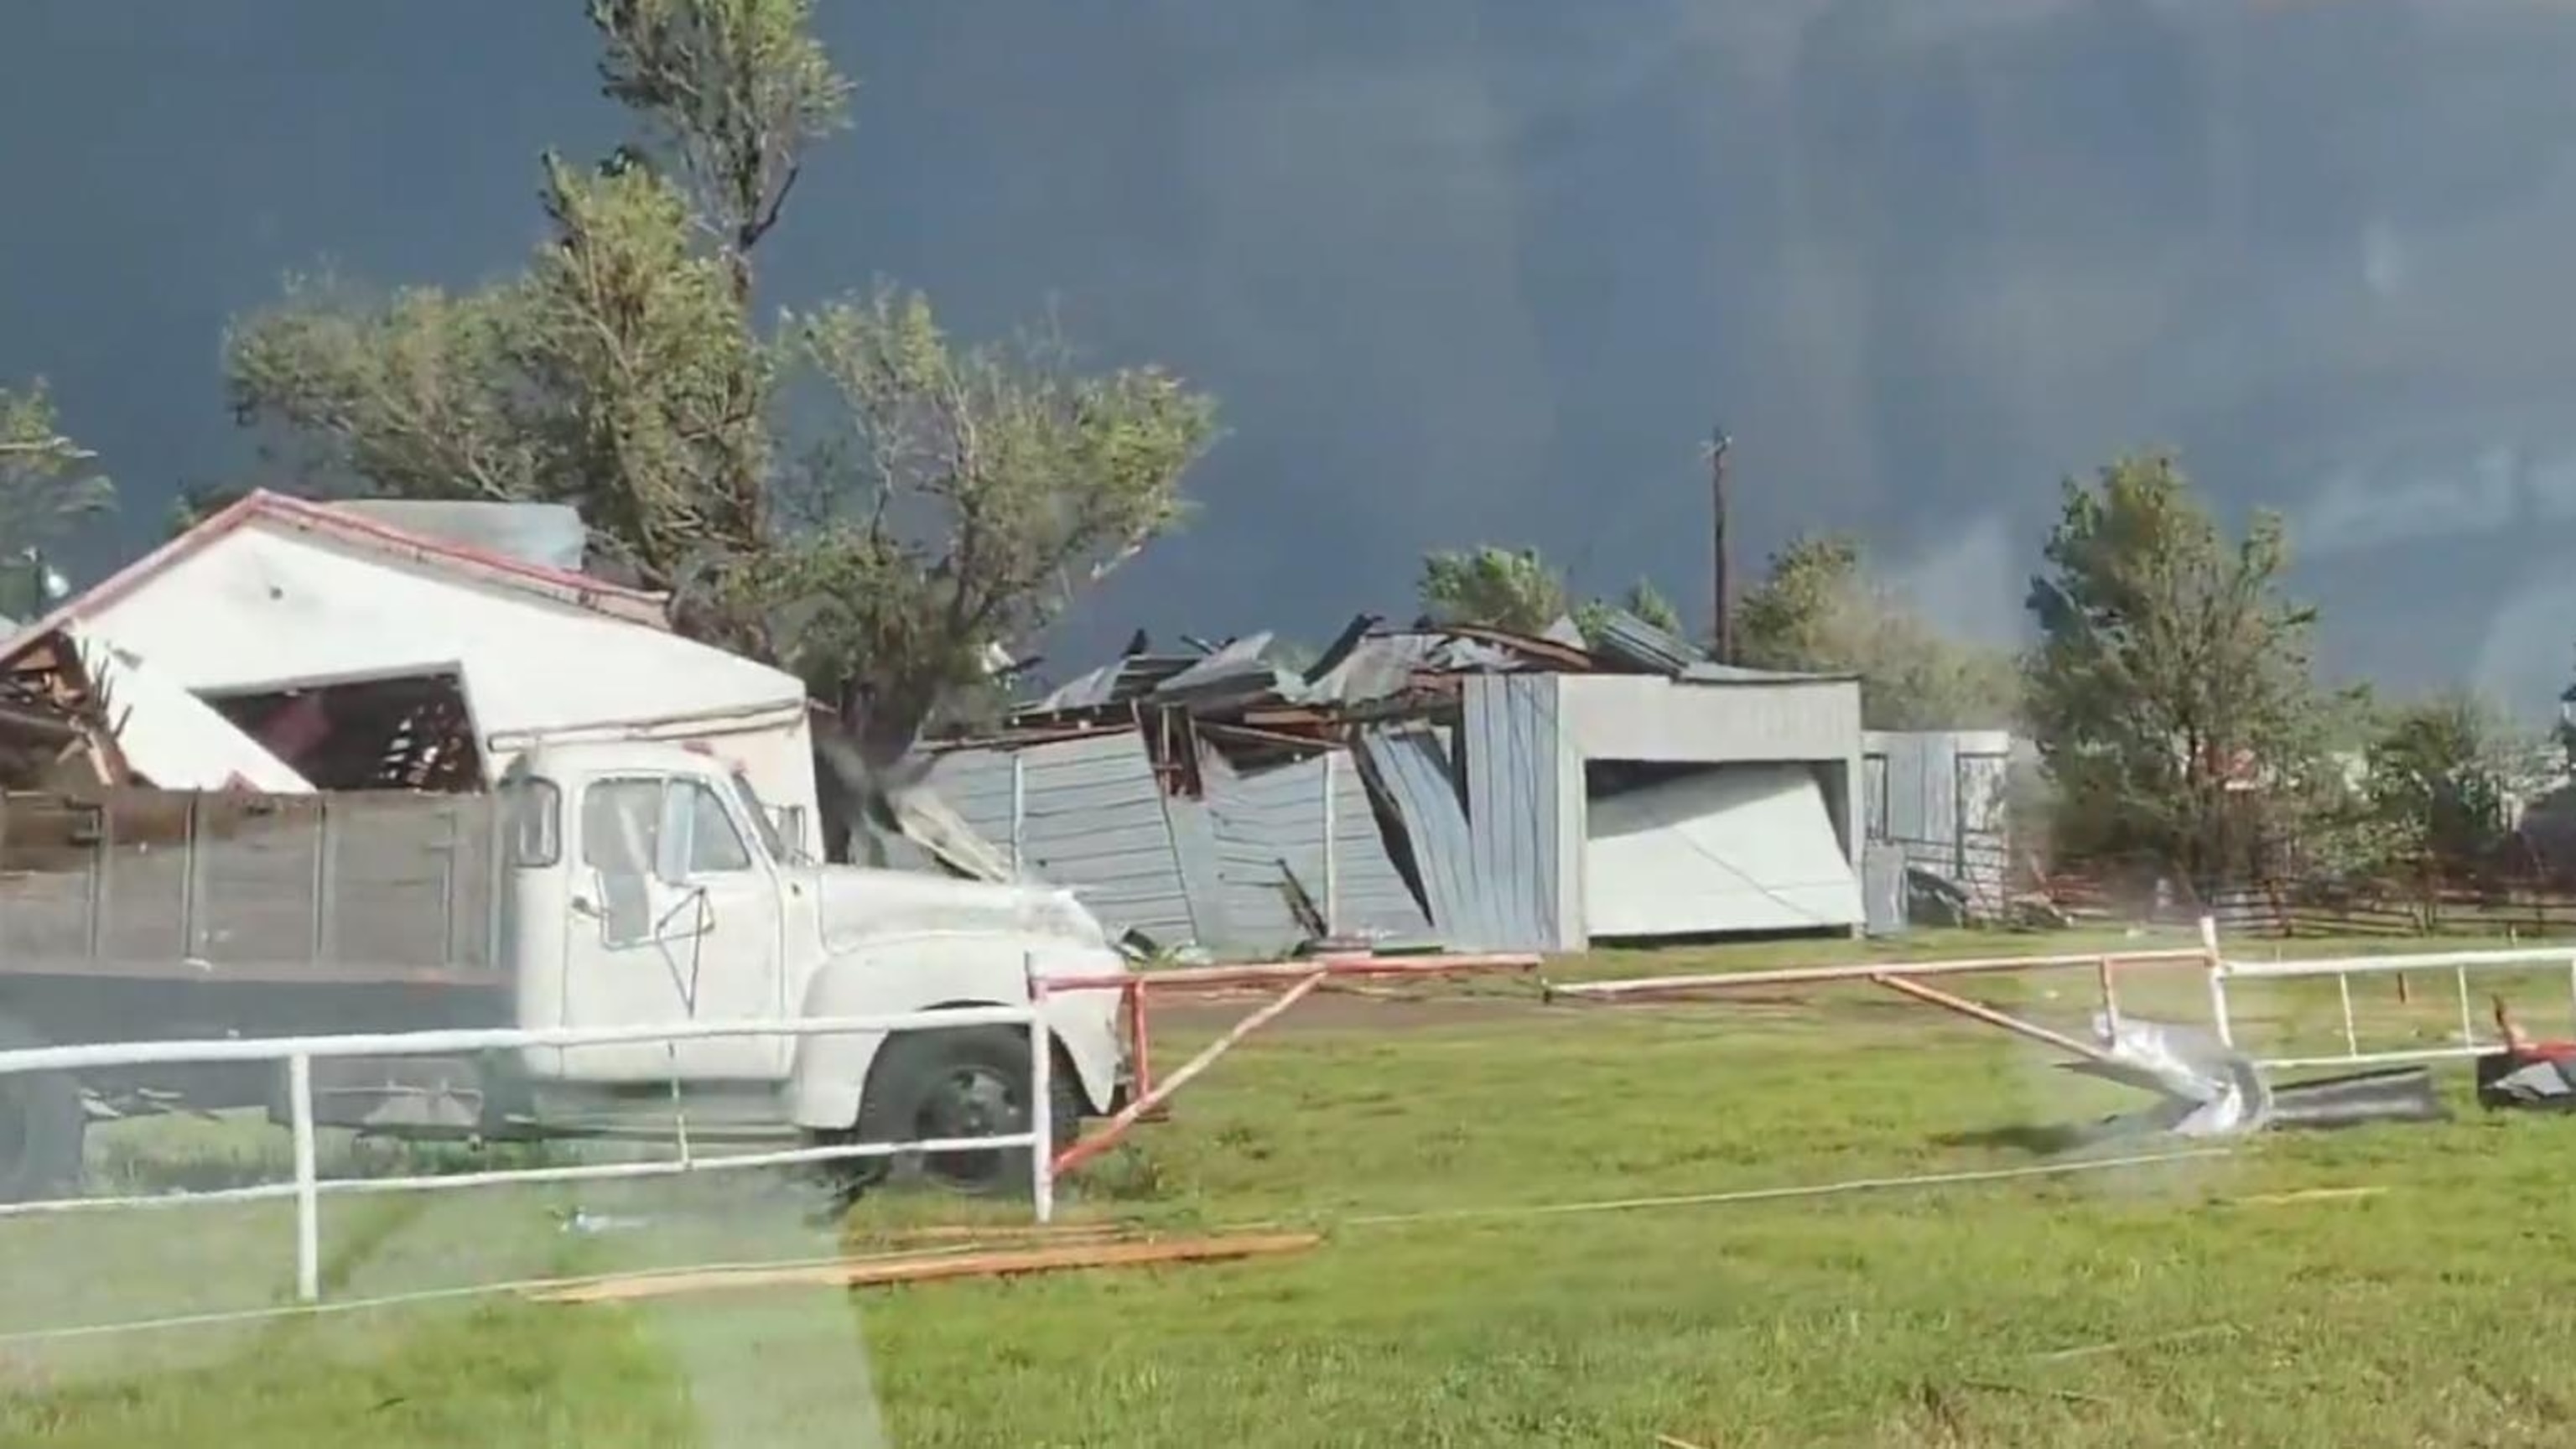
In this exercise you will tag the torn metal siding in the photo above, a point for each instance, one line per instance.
(1198, 858)
(1089, 816)
(1251, 874)
(1314, 819)
(1469, 914)
(1627, 639)
(1370, 896)
(1524, 825)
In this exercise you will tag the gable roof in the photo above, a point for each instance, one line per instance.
(365, 535)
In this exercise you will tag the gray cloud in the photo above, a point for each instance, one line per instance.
(1490, 268)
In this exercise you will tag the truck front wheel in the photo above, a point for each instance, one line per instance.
(966, 1083)
(42, 1125)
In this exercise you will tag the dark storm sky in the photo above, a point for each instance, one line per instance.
(1488, 269)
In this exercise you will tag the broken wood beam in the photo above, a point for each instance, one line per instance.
(1977, 1011)
(926, 1268)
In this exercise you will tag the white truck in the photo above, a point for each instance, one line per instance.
(600, 884)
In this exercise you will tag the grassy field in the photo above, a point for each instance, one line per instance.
(1466, 1295)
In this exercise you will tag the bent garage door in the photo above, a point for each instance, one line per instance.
(1724, 848)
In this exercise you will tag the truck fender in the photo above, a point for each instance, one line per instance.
(830, 1072)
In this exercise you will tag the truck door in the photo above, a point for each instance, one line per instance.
(681, 924)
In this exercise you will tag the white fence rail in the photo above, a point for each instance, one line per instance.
(2458, 965)
(307, 1186)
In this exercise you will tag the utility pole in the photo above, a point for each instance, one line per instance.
(1720, 565)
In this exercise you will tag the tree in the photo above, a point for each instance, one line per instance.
(922, 502)
(2441, 775)
(1817, 610)
(47, 486)
(1500, 588)
(196, 502)
(2171, 692)
(1643, 602)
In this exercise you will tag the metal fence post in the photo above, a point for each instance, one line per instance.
(1019, 811)
(2217, 982)
(1332, 866)
(1041, 1099)
(308, 1190)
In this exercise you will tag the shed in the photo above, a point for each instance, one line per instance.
(1938, 796)
(1641, 807)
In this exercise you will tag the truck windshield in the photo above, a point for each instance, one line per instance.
(761, 820)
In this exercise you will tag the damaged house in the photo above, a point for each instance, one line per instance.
(286, 646)
(1435, 785)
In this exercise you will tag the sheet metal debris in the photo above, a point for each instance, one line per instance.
(2212, 1090)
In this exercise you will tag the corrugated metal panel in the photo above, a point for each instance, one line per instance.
(1251, 875)
(1624, 637)
(1509, 741)
(1091, 818)
(1882, 889)
(1275, 817)
(1944, 793)
(1371, 894)
(1195, 853)
(1468, 913)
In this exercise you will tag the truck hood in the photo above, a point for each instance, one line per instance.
(859, 905)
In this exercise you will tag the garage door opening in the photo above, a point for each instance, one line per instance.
(1684, 851)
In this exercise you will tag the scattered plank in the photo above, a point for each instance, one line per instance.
(924, 1268)
(2071, 1396)
(2311, 1194)
(1667, 1441)
(2091, 1350)
(999, 1233)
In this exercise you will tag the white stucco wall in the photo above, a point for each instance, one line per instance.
(268, 606)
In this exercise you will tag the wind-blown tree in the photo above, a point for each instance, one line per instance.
(2440, 778)
(47, 484)
(1817, 609)
(1642, 600)
(2171, 692)
(1519, 590)
(1499, 588)
(921, 503)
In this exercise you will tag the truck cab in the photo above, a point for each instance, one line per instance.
(649, 883)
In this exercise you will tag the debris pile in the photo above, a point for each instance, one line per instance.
(1230, 799)
(2208, 1089)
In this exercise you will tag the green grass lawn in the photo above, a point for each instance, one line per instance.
(2180, 1303)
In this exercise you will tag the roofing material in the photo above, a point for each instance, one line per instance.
(1469, 911)
(1086, 814)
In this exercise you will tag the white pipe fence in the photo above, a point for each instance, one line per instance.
(2222, 973)
(307, 1185)
(2458, 965)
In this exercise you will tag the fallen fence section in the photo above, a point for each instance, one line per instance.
(308, 1185)
(1298, 979)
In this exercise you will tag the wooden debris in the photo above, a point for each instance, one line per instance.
(931, 1267)
(2312, 1194)
(2071, 1396)
(1667, 1441)
(2180, 1335)
(997, 1232)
